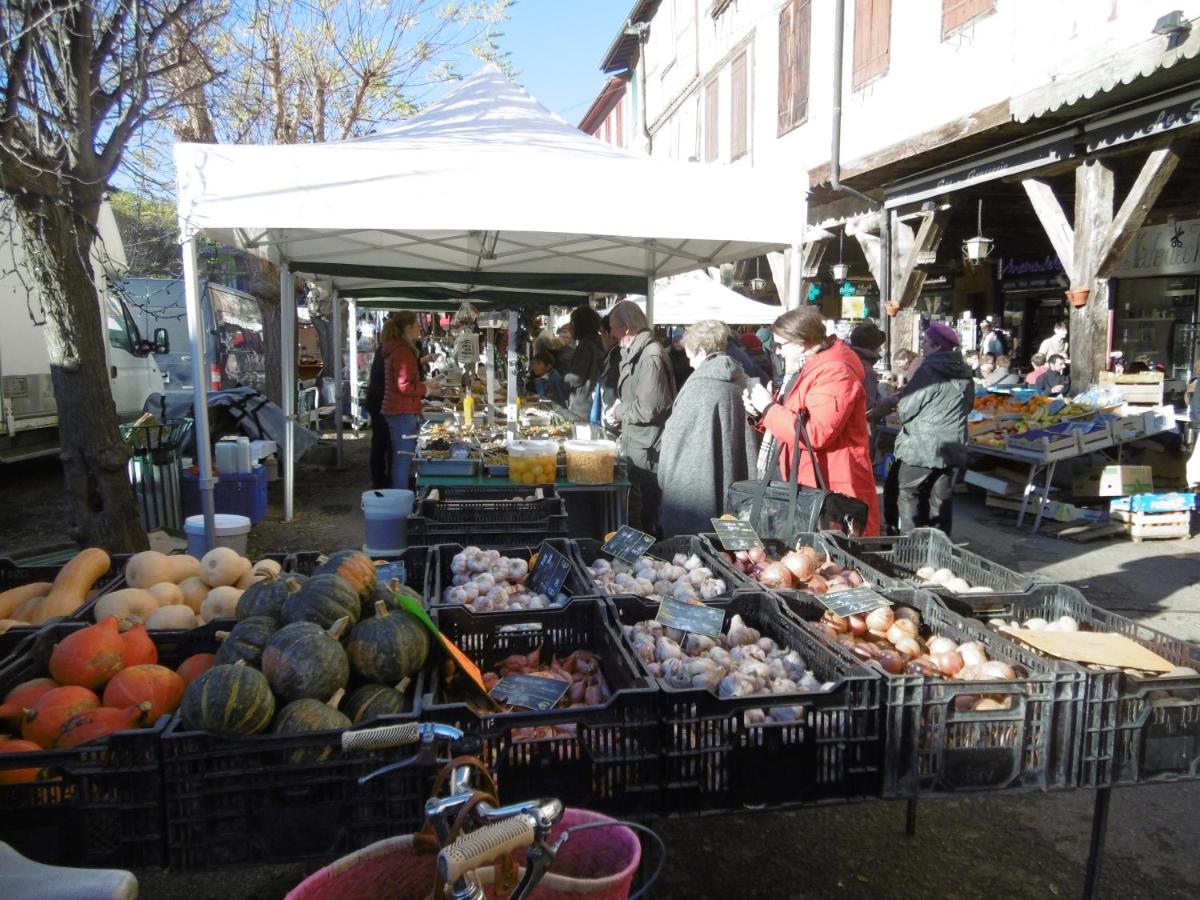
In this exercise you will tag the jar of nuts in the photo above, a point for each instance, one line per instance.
(591, 462)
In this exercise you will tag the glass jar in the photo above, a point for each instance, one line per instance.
(591, 462)
(533, 462)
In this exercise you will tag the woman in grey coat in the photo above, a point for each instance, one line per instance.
(707, 443)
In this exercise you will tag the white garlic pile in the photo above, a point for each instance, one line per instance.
(928, 575)
(739, 663)
(485, 581)
(685, 577)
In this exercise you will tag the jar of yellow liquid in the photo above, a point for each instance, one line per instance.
(468, 410)
(533, 462)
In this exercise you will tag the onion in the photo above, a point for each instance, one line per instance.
(991, 703)
(742, 556)
(923, 665)
(891, 662)
(863, 650)
(858, 624)
(775, 575)
(1067, 623)
(998, 669)
(958, 585)
(950, 663)
(972, 653)
(838, 623)
(757, 555)
(880, 620)
(907, 612)
(909, 647)
(826, 630)
(836, 587)
(925, 573)
(942, 576)
(818, 585)
(900, 630)
(852, 578)
(941, 645)
(1036, 624)
(799, 565)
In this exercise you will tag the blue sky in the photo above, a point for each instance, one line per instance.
(557, 47)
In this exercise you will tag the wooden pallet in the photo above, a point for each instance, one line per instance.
(1146, 526)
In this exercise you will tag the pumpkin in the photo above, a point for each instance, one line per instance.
(371, 700)
(71, 585)
(387, 593)
(14, 598)
(156, 685)
(264, 568)
(229, 701)
(167, 593)
(322, 599)
(221, 603)
(128, 605)
(137, 646)
(21, 697)
(265, 597)
(19, 776)
(387, 646)
(246, 640)
(194, 590)
(100, 723)
(353, 565)
(171, 618)
(304, 660)
(90, 656)
(221, 566)
(308, 716)
(195, 666)
(53, 710)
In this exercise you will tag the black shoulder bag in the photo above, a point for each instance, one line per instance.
(783, 509)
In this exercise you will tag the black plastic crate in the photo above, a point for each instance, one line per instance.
(716, 760)
(438, 576)
(689, 545)
(487, 523)
(1136, 729)
(934, 748)
(510, 493)
(242, 801)
(901, 556)
(603, 757)
(98, 805)
(820, 541)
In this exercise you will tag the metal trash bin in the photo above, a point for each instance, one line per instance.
(154, 471)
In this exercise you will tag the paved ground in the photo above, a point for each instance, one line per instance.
(1030, 846)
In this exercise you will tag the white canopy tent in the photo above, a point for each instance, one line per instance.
(687, 299)
(484, 189)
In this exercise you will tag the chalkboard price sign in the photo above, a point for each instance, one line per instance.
(628, 544)
(550, 571)
(530, 691)
(694, 617)
(736, 534)
(854, 601)
(386, 572)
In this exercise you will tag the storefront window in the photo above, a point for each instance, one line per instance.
(1156, 318)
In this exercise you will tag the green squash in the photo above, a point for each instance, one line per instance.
(246, 640)
(308, 716)
(265, 597)
(322, 599)
(304, 660)
(353, 565)
(230, 701)
(372, 700)
(388, 646)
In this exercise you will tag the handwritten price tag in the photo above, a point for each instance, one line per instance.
(550, 572)
(530, 691)
(628, 544)
(693, 617)
(736, 534)
(854, 601)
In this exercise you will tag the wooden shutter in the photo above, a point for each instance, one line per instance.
(739, 104)
(786, 66)
(872, 39)
(795, 52)
(712, 121)
(956, 13)
(620, 122)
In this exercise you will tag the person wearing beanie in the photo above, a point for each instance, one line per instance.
(931, 446)
(681, 367)
(733, 347)
(754, 349)
(776, 364)
(865, 340)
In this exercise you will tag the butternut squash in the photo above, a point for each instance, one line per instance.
(221, 603)
(6, 624)
(171, 618)
(222, 566)
(150, 567)
(183, 566)
(14, 597)
(130, 606)
(24, 612)
(264, 568)
(74, 580)
(194, 590)
(167, 593)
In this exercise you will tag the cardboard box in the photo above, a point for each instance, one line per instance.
(1155, 503)
(1113, 481)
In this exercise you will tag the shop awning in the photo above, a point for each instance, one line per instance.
(691, 298)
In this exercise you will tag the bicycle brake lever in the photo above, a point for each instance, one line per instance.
(538, 860)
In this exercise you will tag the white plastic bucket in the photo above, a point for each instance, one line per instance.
(229, 530)
(385, 515)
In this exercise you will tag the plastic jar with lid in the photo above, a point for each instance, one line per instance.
(533, 462)
(591, 462)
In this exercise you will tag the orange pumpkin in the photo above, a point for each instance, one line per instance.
(18, 776)
(20, 698)
(53, 710)
(100, 723)
(90, 656)
(156, 685)
(195, 666)
(139, 648)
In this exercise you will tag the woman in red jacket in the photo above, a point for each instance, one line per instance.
(826, 381)
(402, 390)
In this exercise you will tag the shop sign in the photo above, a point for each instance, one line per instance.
(1170, 249)
(1177, 113)
(1016, 268)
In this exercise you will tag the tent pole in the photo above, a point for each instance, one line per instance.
(650, 267)
(352, 350)
(195, 318)
(287, 355)
(795, 275)
(490, 337)
(510, 408)
(338, 389)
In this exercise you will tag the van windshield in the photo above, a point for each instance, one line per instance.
(122, 332)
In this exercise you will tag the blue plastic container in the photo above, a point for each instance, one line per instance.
(243, 495)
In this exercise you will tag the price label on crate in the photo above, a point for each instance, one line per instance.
(530, 691)
(693, 617)
(550, 572)
(736, 534)
(628, 544)
(389, 570)
(854, 601)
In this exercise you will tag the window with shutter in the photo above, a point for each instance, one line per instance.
(872, 40)
(620, 123)
(795, 50)
(957, 13)
(739, 144)
(712, 121)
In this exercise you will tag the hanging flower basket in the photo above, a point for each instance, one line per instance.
(1078, 296)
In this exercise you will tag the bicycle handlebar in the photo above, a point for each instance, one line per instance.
(396, 735)
(483, 845)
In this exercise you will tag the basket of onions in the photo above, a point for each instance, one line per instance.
(966, 709)
(816, 565)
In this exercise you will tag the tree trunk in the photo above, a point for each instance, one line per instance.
(93, 456)
(271, 349)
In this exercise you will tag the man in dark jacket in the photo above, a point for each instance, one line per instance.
(931, 446)
(582, 367)
(1054, 382)
(734, 349)
(865, 340)
(381, 439)
(646, 390)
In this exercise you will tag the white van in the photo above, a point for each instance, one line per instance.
(28, 412)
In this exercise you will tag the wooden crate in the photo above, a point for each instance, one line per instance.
(1145, 526)
(1142, 389)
